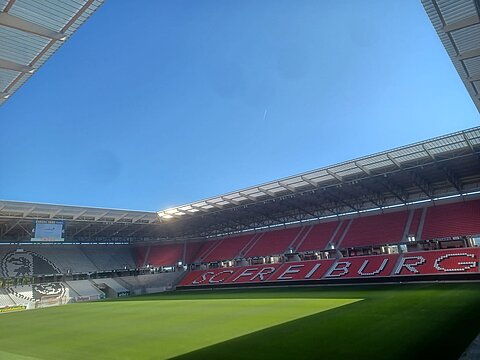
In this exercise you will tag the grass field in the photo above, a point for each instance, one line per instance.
(375, 322)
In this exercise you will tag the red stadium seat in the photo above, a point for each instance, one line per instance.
(318, 237)
(165, 255)
(228, 248)
(396, 266)
(273, 243)
(450, 220)
(376, 230)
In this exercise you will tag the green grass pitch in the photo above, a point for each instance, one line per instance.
(363, 322)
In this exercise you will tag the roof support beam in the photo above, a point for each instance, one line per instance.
(243, 194)
(469, 54)
(10, 65)
(395, 162)
(266, 216)
(81, 229)
(55, 213)
(331, 173)
(474, 78)
(307, 204)
(338, 200)
(29, 211)
(198, 207)
(395, 190)
(375, 197)
(11, 227)
(80, 214)
(266, 192)
(138, 218)
(214, 204)
(140, 227)
(28, 232)
(102, 229)
(363, 168)
(29, 27)
(9, 6)
(429, 153)
(288, 187)
(422, 184)
(98, 217)
(233, 201)
(453, 179)
(468, 142)
(466, 22)
(311, 182)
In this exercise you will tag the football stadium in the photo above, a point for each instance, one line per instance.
(376, 257)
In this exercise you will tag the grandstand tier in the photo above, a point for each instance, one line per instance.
(33, 260)
(439, 262)
(443, 221)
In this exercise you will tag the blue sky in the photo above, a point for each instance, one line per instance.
(166, 102)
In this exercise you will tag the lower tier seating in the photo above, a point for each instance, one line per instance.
(5, 300)
(85, 289)
(111, 283)
(151, 283)
(438, 262)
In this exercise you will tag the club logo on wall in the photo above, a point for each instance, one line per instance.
(29, 263)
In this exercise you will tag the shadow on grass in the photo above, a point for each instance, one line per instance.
(324, 292)
(430, 322)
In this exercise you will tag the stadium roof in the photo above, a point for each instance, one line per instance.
(441, 167)
(457, 23)
(31, 31)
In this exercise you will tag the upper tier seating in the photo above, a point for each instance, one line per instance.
(318, 236)
(141, 253)
(165, 255)
(108, 257)
(449, 220)
(192, 251)
(273, 243)
(376, 230)
(68, 258)
(414, 225)
(340, 232)
(51, 259)
(228, 248)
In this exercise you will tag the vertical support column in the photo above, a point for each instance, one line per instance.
(406, 231)
(344, 233)
(418, 236)
(147, 254)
